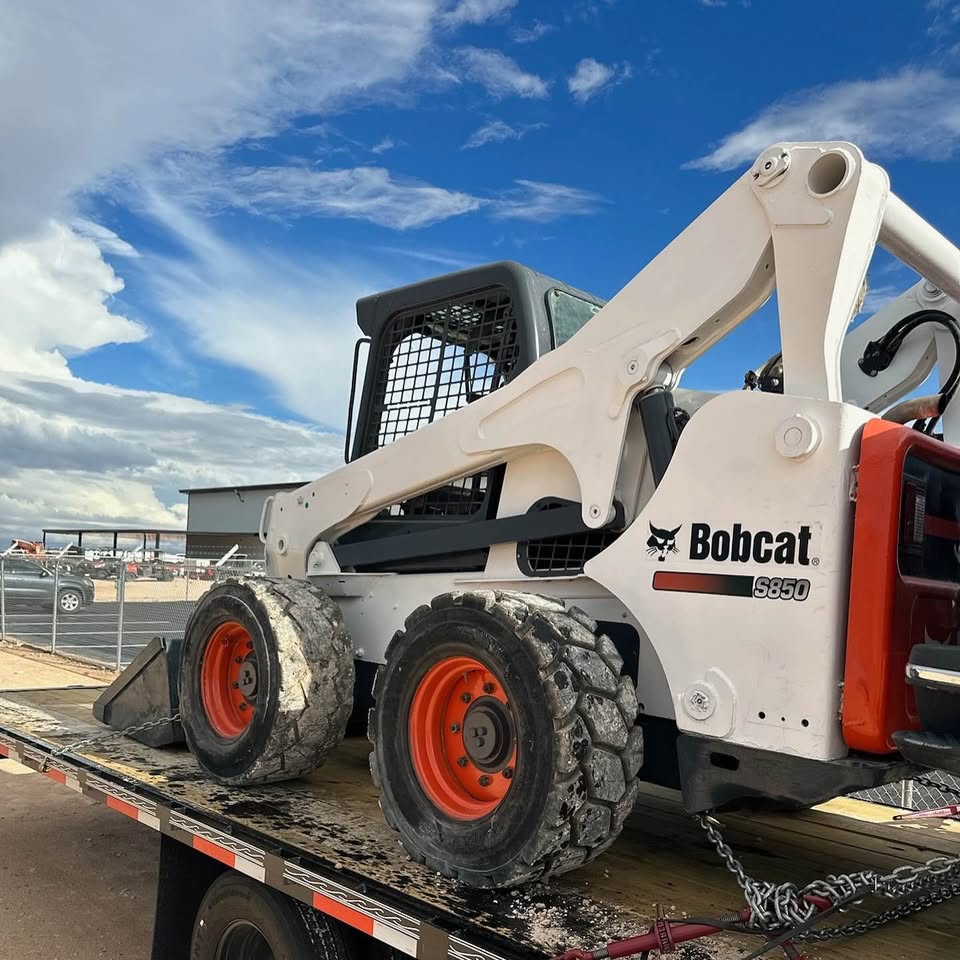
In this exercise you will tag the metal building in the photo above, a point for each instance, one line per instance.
(219, 517)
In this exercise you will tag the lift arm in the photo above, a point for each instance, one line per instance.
(806, 217)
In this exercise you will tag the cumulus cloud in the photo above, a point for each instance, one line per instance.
(909, 113)
(499, 75)
(55, 291)
(387, 143)
(591, 76)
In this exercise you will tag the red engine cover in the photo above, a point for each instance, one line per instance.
(904, 579)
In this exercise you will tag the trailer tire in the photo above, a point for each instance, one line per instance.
(550, 799)
(266, 680)
(238, 914)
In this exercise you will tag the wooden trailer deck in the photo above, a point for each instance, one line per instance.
(324, 840)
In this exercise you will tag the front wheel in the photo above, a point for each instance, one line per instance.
(266, 680)
(504, 739)
(69, 601)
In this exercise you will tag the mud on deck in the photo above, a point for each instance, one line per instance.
(331, 823)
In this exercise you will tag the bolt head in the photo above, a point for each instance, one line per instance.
(238, 659)
(243, 706)
(489, 688)
(508, 773)
(462, 761)
(484, 781)
(454, 727)
(465, 697)
(235, 685)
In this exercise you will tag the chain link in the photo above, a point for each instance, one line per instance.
(113, 734)
(777, 907)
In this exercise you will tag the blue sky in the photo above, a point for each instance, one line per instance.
(200, 195)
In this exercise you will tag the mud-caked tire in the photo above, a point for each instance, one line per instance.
(266, 680)
(504, 739)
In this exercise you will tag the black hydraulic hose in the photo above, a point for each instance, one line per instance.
(879, 354)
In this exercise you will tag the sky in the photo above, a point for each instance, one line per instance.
(194, 195)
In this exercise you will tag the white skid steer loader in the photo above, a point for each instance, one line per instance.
(567, 573)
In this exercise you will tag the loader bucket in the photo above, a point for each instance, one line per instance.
(146, 690)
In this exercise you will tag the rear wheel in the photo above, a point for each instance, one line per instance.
(241, 919)
(504, 739)
(69, 600)
(266, 681)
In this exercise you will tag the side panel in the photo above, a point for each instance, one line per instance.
(905, 576)
(746, 605)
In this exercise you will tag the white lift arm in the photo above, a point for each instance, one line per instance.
(805, 218)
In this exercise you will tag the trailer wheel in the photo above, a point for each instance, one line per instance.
(241, 919)
(504, 741)
(266, 680)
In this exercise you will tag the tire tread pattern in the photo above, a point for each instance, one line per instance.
(597, 748)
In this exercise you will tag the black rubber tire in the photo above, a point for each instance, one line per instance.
(69, 591)
(578, 748)
(292, 930)
(306, 678)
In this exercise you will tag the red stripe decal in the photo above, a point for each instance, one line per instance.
(4, 751)
(125, 808)
(346, 914)
(212, 850)
(57, 775)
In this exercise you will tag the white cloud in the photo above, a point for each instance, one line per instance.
(713, 3)
(126, 81)
(499, 75)
(910, 113)
(542, 202)
(532, 33)
(477, 11)
(496, 131)
(82, 452)
(591, 76)
(105, 239)
(359, 193)
(55, 291)
(387, 143)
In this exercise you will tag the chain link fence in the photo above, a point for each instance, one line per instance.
(931, 791)
(104, 610)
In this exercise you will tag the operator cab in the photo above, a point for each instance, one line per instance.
(434, 347)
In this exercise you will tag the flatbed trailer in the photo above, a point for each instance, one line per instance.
(323, 841)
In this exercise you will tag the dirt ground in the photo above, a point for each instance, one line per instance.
(105, 591)
(77, 881)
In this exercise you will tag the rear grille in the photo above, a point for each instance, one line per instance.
(564, 555)
(434, 360)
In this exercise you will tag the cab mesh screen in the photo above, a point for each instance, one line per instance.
(564, 555)
(434, 360)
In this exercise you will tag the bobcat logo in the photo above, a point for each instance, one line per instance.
(662, 542)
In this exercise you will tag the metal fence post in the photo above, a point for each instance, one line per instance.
(121, 594)
(56, 606)
(3, 600)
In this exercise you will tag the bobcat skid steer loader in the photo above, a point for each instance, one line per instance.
(567, 573)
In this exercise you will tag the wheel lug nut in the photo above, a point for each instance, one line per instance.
(454, 727)
(489, 688)
(462, 762)
(238, 659)
(243, 706)
(465, 697)
(507, 773)
(235, 685)
(484, 781)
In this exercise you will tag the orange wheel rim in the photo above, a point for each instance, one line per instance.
(228, 679)
(462, 738)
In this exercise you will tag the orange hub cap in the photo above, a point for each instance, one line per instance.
(228, 679)
(463, 738)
